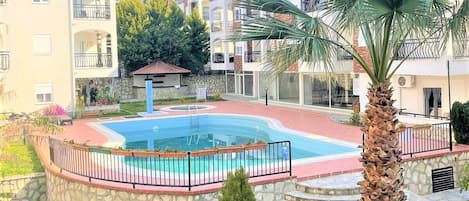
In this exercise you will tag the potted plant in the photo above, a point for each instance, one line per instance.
(255, 146)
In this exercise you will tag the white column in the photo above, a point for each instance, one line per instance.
(301, 88)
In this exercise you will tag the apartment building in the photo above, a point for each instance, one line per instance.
(246, 74)
(52, 51)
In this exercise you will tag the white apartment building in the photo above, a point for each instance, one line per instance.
(247, 76)
(52, 51)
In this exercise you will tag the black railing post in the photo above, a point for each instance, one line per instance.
(51, 151)
(289, 155)
(189, 168)
(450, 137)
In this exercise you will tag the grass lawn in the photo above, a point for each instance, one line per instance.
(22, 159)
(134, 107)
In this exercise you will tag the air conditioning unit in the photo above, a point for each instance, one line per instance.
(406, 81)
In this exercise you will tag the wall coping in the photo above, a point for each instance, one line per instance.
(27, 176)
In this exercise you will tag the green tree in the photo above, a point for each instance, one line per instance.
(199, 39)
(460, 122)
(385, 25)
(131, 19)
(236, 187)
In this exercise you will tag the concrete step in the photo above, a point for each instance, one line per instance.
(345, 184)
(302, 196)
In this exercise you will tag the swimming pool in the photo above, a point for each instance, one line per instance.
(204, 131)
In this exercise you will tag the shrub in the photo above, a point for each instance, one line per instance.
(460, 120)
(79, 107)
(464, 179)
(236, 188)
(217, 95)
(182, 99)
(355, 119)
(53, 110)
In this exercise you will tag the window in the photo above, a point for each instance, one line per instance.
(237, 16)
(206, 13)
(40, 1)
(41, 45)
(43, 93)
(239, 50)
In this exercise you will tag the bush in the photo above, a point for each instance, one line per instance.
(79, 107)
(464, 179)
(53, 110)
(217, 95)
(355, 119)
(182, 99)
(460, 121)
(236, 188)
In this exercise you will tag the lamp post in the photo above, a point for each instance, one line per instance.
(266, 96)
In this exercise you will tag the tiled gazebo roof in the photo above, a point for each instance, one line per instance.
(160, 68)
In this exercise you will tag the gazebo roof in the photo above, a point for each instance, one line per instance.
(160, 68)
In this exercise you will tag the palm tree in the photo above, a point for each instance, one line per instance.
(316, 37)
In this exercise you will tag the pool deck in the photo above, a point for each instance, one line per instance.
(314, 123)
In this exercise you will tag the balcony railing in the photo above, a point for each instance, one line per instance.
(311, 5)
(217, 26)
(219, 58)
(343, 55)
(83, 11)
(252, 57)
(93, 60)
(464, 51)
(4, 60)
(3, 2)
(425, 51)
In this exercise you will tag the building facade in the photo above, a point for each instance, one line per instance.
(53, 51)
(246, 74)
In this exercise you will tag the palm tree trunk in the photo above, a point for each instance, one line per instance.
(381, 155)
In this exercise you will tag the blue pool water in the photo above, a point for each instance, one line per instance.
(189, 133)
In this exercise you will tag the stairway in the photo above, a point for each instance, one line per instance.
(334, 188)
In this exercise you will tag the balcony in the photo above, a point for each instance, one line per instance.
(311, 5)
(219, 58)
(464, 51)
(217, 26)
(3, 2)
(88, 11)
(252, 57)
(424, 51)
(343, 55)
(93, 60)
(4, 60)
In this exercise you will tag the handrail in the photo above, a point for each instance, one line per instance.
(89, 11)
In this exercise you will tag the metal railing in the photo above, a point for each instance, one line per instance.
(464, 50)
(93, 60)
(343, 55)
(4, 60)
(424, 138)
(425, 51)
(401, 112)
(86, 11)
(184, 169)
(251, 57)
(217, 26)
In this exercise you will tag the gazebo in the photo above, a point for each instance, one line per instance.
(163, 75)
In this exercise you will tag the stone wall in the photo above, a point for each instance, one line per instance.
(60, 189)
(25, 188)
(125, 90)
(418, 172)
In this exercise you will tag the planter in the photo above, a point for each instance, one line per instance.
(173, 154)
(121, 152)
(205, 152)
(230, 149)
(80, 147)
(255, 146)
(421, 126)
(146, 153)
